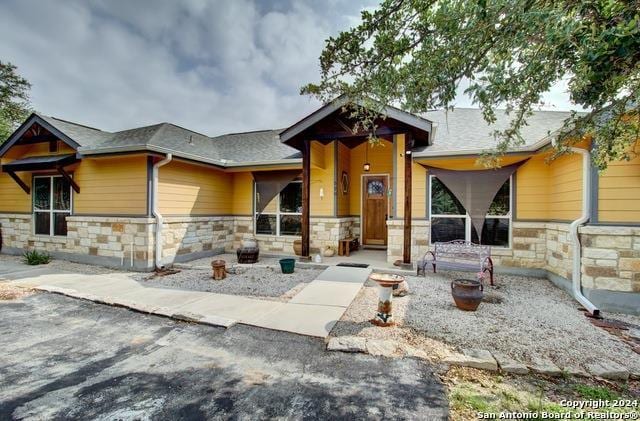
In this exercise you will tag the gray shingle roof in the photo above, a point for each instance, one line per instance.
(465, 129)
(456, 131)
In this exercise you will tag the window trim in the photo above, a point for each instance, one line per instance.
(51, 209)
(467, 218)
(278, 213)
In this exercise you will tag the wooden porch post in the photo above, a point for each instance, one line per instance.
(306, 190)
(406, 249)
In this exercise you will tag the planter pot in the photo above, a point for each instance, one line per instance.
(287, 265)
(297, 247)
(219, 271)
(467, 293)
(329, 252)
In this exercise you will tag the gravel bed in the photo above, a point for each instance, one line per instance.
(253, 281)
(522, 317)
(65, 265)
(231, 259)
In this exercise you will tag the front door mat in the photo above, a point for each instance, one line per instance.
(353, 265)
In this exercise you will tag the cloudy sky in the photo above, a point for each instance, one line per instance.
(214, 66)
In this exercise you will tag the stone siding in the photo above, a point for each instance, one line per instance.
(420, 233)
(323, 232)
(116, 242)
(189, 237)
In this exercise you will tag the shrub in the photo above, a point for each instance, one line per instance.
(34, 257)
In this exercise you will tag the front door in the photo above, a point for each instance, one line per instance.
(374, 210)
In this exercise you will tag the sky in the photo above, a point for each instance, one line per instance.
(213, 66)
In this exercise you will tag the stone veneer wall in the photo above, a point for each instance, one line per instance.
(419, 239)
(121, 242)
(190, 237)
(324, 231)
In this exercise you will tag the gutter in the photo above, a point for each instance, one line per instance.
(576, 276)
(156, 211)
(222, 163)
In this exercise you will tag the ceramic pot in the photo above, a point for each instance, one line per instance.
(467, 293)
(297, 247)
(219, 271)
(329, 252)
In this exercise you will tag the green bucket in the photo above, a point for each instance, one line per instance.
(287, 265)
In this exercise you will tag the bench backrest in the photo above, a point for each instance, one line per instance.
(461, 250)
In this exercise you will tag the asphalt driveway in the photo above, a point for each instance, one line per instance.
(63, 358)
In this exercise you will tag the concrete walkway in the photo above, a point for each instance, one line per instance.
(313, 311)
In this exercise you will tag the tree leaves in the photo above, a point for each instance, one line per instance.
(414, 53)
(14, 99)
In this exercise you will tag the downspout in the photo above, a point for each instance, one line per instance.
(576, 276)
(156, 211)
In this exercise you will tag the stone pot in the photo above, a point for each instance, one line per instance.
(297, 247)
(467, 293)
(329, 251)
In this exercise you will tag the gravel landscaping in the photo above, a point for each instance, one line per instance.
(258, 281)
(522, 317)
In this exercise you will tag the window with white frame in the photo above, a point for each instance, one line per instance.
(51, 204)
(450, 221)
(283, 215)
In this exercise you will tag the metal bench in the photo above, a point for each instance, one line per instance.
(458, 254)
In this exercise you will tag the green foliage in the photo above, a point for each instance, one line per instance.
(415, 53)
(14, 99)
(34, 257)
(596, 392)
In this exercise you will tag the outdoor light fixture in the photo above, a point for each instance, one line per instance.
(367, 165)
(321, 193)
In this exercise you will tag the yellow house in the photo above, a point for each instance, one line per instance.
(151, 196)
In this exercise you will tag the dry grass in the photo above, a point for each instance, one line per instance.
(10, 292)
(471, 391)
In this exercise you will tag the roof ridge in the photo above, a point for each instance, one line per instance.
(140, 128)
(72, 122)
(249, 131)
(184, 128)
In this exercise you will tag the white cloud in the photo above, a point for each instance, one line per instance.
(212, 66)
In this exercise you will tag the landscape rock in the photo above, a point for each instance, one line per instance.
(545, 366)
(475, 358)
(347, 344)
(402, 290)
(410, 351)
(509, 365)
(384, 348)
(576, 371)
(608, 370)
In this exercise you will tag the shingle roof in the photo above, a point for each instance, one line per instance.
(462, 129)
(466, 129)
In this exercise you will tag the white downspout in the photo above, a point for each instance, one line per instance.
(576, 276)
(156, 211)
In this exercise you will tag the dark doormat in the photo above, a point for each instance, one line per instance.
(353, 265)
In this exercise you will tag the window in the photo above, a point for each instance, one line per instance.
(283, 215)
(51, 205)
(450, 221)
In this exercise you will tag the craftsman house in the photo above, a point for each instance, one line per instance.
(105, 197)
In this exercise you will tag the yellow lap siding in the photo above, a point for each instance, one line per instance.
(344, 164)
(619, 191)
(565, 188)
(242, 200)
(187, 189)
(322, 179)
(12, 197)
(111, 186)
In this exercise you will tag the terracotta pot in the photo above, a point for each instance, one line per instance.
(297, 247)
(219, 270)
(467, 293)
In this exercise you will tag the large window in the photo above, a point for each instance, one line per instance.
(450, 221)
(283, 215)
(51, 205)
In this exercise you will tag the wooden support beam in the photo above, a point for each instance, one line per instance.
(18, 180)
(406, 249)
(67, 177)
(306, 195)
